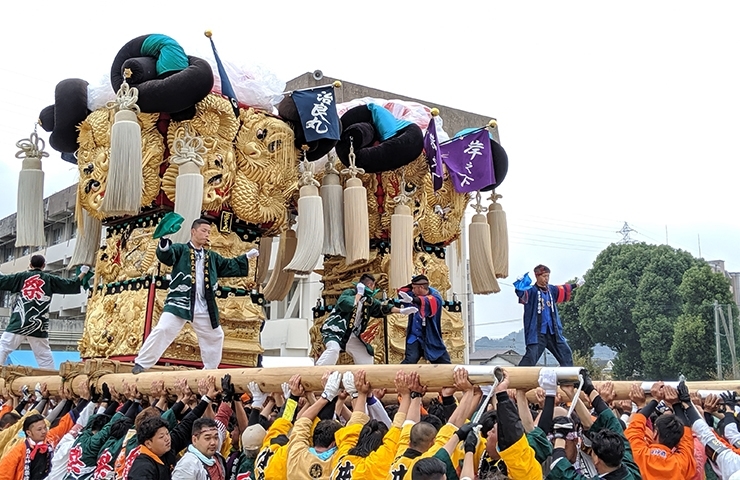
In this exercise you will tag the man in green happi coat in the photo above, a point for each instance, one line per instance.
(29, 318)
(345, 328)
(192, 296)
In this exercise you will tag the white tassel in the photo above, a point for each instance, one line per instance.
(89, 236)
(263, 261)
(332, 197)
(310, 231)
(402, 246)
(125, 179)
(499, 237)
(188, 154)
(356, 223)
(280, 282)
(482, 273)
(30, 217)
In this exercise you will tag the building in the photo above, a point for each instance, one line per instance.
(67, 312)
(503, 358)
(288, 321)
(718, 266)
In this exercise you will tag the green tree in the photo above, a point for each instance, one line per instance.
(688, 352)
(693, 352)
(578, 338)
(631, 303)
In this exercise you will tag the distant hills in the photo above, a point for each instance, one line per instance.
(515, 341)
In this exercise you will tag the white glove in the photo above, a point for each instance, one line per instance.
(258, 397)
(84, 269)
(405, 297)
(486, 389)
(331, 390)
(409, 310)
(348, 380)
(26, 393)
(549, 381)
(361, 288)
(286, 390)
(253, 253)
(580, 282)
(37, 391)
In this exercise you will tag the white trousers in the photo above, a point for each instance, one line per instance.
(210, 340)
(354, 347)
(9, 342)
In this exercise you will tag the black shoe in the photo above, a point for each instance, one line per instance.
(137, 369)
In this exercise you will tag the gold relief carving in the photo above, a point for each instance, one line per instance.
(94, 153)
(129, 254)
(114, 324)
(266, 177)
(229, 245)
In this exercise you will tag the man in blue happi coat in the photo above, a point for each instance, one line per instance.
(424, 330)
(542, 326)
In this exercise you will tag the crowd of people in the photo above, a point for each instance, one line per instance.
(349, 430)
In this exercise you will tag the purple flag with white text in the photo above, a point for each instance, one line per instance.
(433, 153)
(469, 161)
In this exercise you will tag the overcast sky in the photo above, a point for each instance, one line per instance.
(609, 112)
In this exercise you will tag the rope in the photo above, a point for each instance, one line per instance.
(404, 198)
(31, 147)
(353, 170)
(306, 169)
(126, 96)
(479, 208)
(188, 149)
(494, 196)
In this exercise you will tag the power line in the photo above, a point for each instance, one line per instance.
(582, 240)
(579, 233)
(625, 232)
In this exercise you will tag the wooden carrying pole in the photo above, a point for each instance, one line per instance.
(435, 377)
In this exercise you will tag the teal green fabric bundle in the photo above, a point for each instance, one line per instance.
(169, 54)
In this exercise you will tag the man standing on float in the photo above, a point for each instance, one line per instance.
(191, 262)
(542, 326)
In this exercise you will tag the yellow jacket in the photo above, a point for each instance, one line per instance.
(520, 461)
(403, 464)
(272, 461)
(302, 462)
(375, 465)
(9, 437)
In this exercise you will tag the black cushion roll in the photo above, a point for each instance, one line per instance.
(399, 150)
(70, 109)
(142, 69)
(131, 49)
(500, 165)
(46, 118)
(362, 134)
(179, 91)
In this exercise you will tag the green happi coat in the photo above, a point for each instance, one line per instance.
(341, 322)
(180, 299)
(34, 288)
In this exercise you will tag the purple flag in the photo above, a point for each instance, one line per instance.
(433, 153)
(469, 161)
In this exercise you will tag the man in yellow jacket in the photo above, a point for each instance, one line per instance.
(317, 461)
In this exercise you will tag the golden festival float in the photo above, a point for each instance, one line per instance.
(172, 132)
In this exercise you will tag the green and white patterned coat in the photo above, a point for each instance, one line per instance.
(180, 299)
(340, 324)
(34, 289)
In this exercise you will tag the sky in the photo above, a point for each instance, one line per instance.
(610, 112)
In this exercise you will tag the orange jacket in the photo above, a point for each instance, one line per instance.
(12, 465)
(656, 461)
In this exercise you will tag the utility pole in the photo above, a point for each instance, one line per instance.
(731, 321)
(717, 340)
(729, 333)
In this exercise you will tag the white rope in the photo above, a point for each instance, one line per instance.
(306, 177)
(353, 170)
(188, 149)
(126, 96)
(31, 147)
